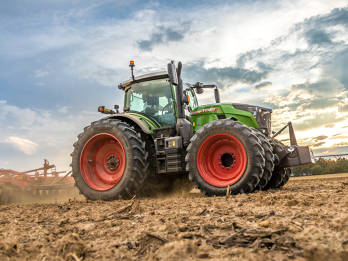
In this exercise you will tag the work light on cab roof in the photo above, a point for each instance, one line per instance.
(163, 134)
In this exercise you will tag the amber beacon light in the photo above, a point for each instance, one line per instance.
(131, 65)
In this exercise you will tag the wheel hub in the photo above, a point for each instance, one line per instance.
(227, 160)
(112, 162)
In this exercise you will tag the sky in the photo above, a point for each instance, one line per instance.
(60, 60)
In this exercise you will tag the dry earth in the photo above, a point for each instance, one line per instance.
(305, 220)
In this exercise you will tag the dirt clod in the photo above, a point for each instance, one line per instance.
(264, 223)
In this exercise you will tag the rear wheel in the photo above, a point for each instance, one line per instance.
(109, 161)
(225, 153)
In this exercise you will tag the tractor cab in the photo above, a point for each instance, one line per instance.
(153, 96)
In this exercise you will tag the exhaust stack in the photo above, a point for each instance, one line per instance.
(183, 126)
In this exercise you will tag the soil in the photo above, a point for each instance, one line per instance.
(305, 220)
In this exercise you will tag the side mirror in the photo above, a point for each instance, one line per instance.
(173, 77)
(199, 90)
(217, 95)
(199, 87)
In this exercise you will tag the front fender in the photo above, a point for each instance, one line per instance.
(131, 119)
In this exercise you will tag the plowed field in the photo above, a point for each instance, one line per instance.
(305, 220)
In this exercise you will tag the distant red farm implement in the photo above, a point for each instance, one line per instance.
(36, 184)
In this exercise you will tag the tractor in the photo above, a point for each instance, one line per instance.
(164, 137)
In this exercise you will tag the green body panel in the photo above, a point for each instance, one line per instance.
(202, 115)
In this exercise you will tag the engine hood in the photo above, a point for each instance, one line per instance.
(262, 115)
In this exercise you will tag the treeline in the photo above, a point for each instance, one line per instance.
(323, 166)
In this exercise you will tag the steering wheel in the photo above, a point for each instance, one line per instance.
(169, 108)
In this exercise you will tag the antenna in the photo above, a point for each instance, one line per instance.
(131, 65)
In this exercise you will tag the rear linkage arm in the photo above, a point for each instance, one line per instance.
(293, 141)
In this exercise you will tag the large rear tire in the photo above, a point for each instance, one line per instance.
(225, 153)
(109, 161)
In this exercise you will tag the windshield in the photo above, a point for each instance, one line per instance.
(153, 98)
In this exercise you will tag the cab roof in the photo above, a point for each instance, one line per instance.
(147, 77)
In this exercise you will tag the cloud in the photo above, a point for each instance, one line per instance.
(327, 86)
(40, 133)
(315, 36)
(318, 144)
(223, 77)
(307, 104)
(40, 74)
(262, 86)
(318, 120)
(321, 137)
(27, 146)
(63, 109)
(341, 144)
(320, 103)
(343, 108)
(339, 137)
(164, 35)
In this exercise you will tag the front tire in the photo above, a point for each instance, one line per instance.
(279, 173)
(225, 153)
(109, 161)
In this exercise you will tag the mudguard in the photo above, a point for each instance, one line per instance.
(145, 127)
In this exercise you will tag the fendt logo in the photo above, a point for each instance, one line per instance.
(205, 110)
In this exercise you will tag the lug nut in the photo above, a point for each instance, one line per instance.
(219, 163)
(228, 168)
(231, 166)
(234, 161)
(218, 158)
(222, 167)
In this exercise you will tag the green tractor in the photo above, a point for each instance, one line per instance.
(164, 136)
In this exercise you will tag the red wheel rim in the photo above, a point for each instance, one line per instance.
(102, 162)
(221, 160)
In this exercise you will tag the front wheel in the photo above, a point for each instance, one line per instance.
(109, 161)
(225, 153)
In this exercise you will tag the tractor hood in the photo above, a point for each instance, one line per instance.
(261, 114)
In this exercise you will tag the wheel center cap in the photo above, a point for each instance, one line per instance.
(112, 162)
